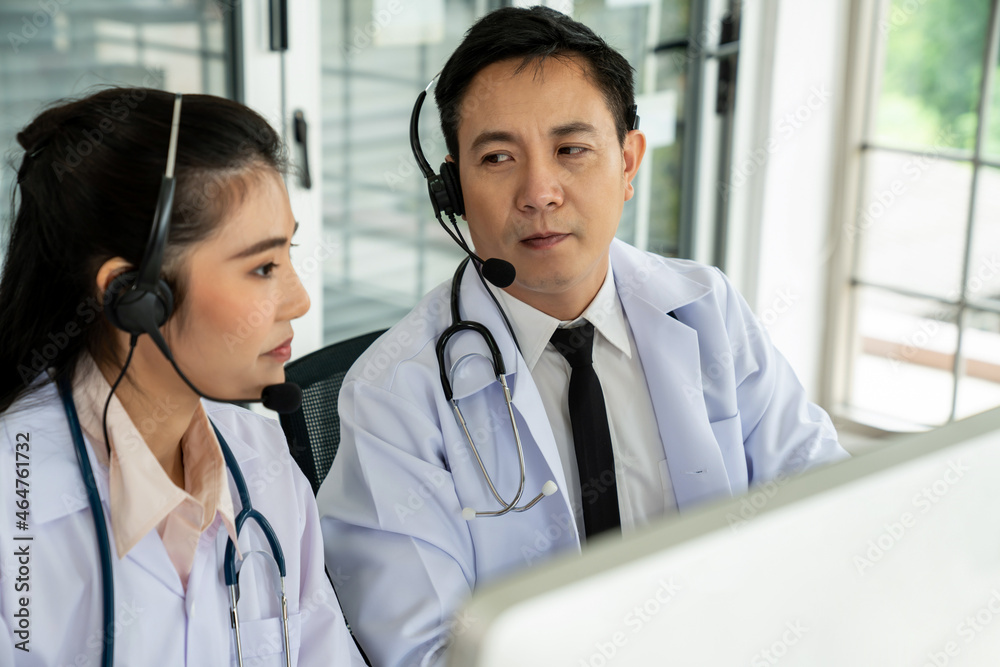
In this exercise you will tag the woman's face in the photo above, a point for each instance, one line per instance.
(233, 332)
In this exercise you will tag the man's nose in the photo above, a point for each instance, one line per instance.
(541, 187)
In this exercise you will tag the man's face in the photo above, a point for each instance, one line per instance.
(544, 178)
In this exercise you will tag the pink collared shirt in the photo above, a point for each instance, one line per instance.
(143, 496)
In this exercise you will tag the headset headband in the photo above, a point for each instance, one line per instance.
(152, 259)
(418, 153)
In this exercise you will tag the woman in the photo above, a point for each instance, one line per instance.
(88, 186)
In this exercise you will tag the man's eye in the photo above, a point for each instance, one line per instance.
(572, 150)
(496, 158)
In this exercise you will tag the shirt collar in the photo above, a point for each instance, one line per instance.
(534, 328)
(141, 493)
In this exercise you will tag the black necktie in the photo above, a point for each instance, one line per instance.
(591, 435)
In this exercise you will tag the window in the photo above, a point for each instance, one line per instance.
(55, 50)
(924, 287)
(377, 55)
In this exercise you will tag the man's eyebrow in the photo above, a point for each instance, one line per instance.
(491, 136)
(577, 127)
(264, 245)
(500, 136)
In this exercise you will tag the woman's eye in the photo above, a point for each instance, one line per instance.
(265, 270)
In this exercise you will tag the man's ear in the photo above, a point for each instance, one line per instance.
(632, 153)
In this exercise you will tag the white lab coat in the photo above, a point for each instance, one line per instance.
(156, 623)
(728, 407)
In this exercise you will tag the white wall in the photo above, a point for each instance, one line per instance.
(789, 98)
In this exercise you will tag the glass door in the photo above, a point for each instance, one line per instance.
(57, 49)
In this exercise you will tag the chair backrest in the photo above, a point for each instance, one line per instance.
(313, 431)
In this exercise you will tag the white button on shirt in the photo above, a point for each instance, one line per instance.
(644, 489)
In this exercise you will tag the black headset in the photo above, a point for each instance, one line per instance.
(139, 302)
(445, 189)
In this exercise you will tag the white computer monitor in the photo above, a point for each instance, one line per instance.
(889, 558)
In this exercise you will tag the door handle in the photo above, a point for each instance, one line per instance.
(278, 10)
(301, 138)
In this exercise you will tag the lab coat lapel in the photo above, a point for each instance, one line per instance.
(151, 555)
(61, 472)
(471, 373)
(670, 358)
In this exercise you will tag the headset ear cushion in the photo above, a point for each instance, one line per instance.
(131, 310)
(452, 184)
(120, 284)
(165, 295)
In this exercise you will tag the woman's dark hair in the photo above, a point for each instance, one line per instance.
(533, 35)
(88, 185)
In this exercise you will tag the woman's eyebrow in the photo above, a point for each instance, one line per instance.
(264, 245)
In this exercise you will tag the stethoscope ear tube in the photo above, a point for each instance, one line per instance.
(100, 527)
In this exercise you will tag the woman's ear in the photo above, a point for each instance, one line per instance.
(110, 270)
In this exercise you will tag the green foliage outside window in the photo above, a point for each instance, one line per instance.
(932, 76)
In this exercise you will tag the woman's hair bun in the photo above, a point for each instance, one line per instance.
(33, 137)
(41, 130)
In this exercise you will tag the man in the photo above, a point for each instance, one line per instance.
(698, 404)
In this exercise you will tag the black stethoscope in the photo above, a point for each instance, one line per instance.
(229, 564)
(459, 325)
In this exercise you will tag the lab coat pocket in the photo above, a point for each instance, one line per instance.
(729, 435)
(264, 644)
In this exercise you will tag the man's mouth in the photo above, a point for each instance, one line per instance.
(544, 240)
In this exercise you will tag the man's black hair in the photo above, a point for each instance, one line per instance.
(532, 35)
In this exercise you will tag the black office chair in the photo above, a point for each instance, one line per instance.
(313, 431)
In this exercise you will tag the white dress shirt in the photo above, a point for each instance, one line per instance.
(644, 489)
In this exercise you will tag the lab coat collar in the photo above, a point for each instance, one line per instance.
(53, 457)
(238, 445)
(633, 272)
